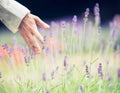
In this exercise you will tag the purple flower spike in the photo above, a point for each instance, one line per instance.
(27, 60)
(15, 40)
(47, 91)
(10, 51)
(82, 89)
(63, 24)
(118, 73)
(87, 13)
(100, 71)
(96, 10)
(97, 13)
(5, 46)
(118, 47)
(45, 38)
(44, 76)
(0, 75)
(74, 19)
(110, 86)
(52, 74)
(51, 33)
(57, 68)
(87, 72)
(109, 78)
(65, 61)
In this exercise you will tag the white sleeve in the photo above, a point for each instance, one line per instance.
(12, 13)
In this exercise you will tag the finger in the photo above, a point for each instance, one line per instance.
(26, 40)
(34, 44)
(40, 22)
(38, 35)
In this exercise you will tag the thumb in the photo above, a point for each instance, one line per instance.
(40, 22)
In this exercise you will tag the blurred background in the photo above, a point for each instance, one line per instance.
(49, 10)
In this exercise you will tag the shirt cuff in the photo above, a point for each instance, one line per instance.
(14, 15)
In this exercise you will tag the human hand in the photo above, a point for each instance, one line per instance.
(28, 30)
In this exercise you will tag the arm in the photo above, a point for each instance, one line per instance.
(18, 18)
(12, 13)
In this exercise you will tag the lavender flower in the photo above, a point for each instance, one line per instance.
(57, 68)
(82, 89)
(118, 47)
(52, 74)
(100, 71)
(10, 51)
(27, 60)
(110, 86)
(109, 78)
(23, 49)
(107, 62)
(65, 61)
(0, 75)
(97, 14)
(96, 10)
(87, 72)
(44, 76)
(86, 14)
(45, 38)
(32, 53)
(51, 33)
(74, 19)
(5, 46)
(63, 24)
(112, 30)
(118, 73)
(53, 24)
(14, 40)
(47, 51)
(47, 91)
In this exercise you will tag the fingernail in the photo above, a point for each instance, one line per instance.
(42, 41)
(47, 26)
(37, 51)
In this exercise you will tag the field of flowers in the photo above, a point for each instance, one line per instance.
(79, 56)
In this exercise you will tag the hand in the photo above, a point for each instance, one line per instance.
(28, 30)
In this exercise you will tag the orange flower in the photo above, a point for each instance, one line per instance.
(54, 44)
(18, 56)
(4, 52)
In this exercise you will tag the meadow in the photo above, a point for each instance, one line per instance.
(79, 56)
